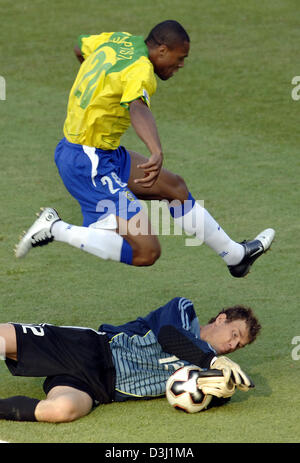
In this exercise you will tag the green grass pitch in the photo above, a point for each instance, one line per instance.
(230, 126)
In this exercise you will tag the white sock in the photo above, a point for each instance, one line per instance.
(199, 222)
(106, 244)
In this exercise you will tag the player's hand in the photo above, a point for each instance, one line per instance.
(216, 383)
(240, 379)
(151, 170)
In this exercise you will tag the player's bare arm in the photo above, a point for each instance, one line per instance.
(144, 124)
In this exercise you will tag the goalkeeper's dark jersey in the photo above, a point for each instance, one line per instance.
(148, 350)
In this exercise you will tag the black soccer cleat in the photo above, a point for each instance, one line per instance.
(253, 250)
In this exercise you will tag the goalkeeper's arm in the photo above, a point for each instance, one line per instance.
(184, 345)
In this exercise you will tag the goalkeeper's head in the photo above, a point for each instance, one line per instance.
(233, 328)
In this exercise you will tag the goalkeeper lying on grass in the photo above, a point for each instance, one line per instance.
(84, 367)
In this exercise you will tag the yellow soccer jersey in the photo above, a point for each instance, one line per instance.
(116, 71)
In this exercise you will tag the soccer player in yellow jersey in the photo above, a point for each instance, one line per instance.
(112, 90)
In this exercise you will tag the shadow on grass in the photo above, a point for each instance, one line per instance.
(261, 389)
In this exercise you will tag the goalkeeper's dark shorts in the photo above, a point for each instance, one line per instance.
(67, 356)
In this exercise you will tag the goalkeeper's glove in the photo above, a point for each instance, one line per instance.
(216, 383)
(240, 379)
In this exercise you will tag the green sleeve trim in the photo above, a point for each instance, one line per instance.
(125, 104)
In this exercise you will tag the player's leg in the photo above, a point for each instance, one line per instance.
(63, 404)
(43, 343)
(109, 243)
(8, 341)
(110, 212)
(142, 244)
(169, 186)
(194, 219)
(173, 188)
(16, 408)
(128, 241)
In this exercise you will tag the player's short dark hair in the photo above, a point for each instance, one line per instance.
(240, 312)
(169, 33)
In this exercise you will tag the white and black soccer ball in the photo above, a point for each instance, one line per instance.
(182, 392)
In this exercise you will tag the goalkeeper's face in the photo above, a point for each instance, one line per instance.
(226, 337)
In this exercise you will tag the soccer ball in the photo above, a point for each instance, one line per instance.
(182, 392)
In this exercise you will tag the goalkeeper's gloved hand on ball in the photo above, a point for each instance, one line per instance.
(216, 383)
(236, 374)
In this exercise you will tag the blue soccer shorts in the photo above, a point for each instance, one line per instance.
(97, 179)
